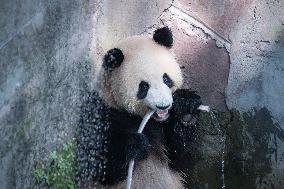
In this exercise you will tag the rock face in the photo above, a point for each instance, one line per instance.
(257, 59)
(45, 67)
(231, 52)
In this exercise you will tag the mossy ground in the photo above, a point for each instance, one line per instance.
(60, 172)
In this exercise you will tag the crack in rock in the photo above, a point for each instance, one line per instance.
(188, 23)
(180, 14)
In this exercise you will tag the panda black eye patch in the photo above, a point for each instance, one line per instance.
(143, 89)
(168, 81)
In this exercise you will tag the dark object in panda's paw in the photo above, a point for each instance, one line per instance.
(186, 102)
(113, 59)
(164, 37)
(137, 147)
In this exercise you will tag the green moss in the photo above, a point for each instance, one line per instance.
(60, 173)
(21, 133)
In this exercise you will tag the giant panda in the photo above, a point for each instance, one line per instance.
(139, 74)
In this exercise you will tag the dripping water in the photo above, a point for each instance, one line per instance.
(217, 126)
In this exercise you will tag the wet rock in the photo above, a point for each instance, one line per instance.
(203, 168)
(237, 150)
(253, 151)
(257, 54)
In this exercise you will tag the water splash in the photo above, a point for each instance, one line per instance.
(216, 124)
(92, 142)
(223, 169)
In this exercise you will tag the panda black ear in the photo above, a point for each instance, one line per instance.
(113, 59)
(164, 36)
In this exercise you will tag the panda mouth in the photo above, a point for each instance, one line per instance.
(161, 115)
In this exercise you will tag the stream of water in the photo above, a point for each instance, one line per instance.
(217, 126)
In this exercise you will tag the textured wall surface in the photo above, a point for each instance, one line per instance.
(231, 52)
(44, 68)
(257, 59)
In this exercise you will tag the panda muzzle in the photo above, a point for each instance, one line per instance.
(162, 113)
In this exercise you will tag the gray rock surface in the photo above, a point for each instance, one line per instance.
(257, 59)
(44, 69)
(257, 74)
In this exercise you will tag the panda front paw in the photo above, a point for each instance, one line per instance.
(138, 147)
(186, 102)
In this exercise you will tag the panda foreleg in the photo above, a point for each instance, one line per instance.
(124, 145)
(181, 130)
(137, 147)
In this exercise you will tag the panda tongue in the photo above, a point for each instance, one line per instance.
(162, 113)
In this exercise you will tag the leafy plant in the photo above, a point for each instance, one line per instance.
(60, 173)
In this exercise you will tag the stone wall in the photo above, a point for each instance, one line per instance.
(45, 66)
(231, 52)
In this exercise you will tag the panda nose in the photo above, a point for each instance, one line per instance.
(163, 107)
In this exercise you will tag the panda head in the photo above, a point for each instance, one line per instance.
(140, 74)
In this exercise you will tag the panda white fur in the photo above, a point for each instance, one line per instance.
(143, 60)
(139, 73)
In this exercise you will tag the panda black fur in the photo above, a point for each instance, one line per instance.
(106, 143)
